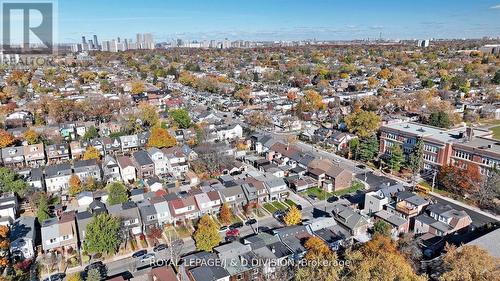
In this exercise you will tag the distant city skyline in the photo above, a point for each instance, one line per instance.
(278, 19)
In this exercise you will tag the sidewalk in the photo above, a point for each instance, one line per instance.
(472, 208)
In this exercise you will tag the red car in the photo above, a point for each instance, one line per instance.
(233, 232)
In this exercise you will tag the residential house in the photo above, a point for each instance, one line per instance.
(398, 224)
(144, 165)
(233, 196)
(129, 143)
(351, 220)
(183, 208)
(441, 220)
(111, 170)
(127, 169)
(34, 155)
(159, 160)
(23, 238)
(57, 178)
(149, 216)
(85, 169)
(176, 161)
(130, 217)
(237, 259)
(13, 156)
(294, 237)
(9, 207)
(60, 234)
(330, 176)
(208, 203)
(162, 210)
(112, 146)
(57, 153)
(163, 273)
(33, 177)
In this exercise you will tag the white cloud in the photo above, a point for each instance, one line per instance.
(495, 7)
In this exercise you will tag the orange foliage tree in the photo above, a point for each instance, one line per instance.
(6, 139)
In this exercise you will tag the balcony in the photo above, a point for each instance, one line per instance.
(403, 208)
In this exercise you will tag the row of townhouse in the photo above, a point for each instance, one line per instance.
(37, 155)
(141, 164)
(262, 256)
(146, 210)
(286, 160)
(409, 212)
(443, 146)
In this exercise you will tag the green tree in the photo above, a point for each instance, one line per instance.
(117, 193)
(102, 235)
(207, 234)
(354, 147)
(381, 227)
(181, 117)
(42, 212)
(91, 133)
(368, 148)
(416, 158)
(439, 119)
(396, 158)
(363, 123)
(496, 78)
(11, 182)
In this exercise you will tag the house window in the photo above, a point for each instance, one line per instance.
(430, 148)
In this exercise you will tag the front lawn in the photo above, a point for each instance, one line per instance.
(290, 203)
(355, 186)
(270, 207)
(321, 194)
(496, 132)
(279, 206)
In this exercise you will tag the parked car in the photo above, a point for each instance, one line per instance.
(99, 265)
(223, 228)
(55, 277)
(139, 253)
(160, 247)
(299, 207)
(332, 199)
(236, 225)
(148, 257)
(278, 214)
(361, 166)
(231, 238)
(250, 222)
(233, 232)
(313, 197)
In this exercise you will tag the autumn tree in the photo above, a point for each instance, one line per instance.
(469, 263)
(322, 263)
(207, 235)
(293, 217)
(461, 178)
(160, 138)
(91, 153)
(154, 233)
(379, 260)
(137, 87)
(363, 123)
(102, 235)
(6, 139)
(312, 101)
(148, 114)
(75, 185)
(117, 193)
(31, 136)
(244, 94)
(75, 277)
(225, 214)
(258, 119)
(384, 73)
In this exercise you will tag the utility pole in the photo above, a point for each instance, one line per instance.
(434, 179)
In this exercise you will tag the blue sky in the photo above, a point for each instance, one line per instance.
(278, 19)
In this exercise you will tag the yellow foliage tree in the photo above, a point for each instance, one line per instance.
(225, 214)
(293, 217)
(75, 185)
(469, 263)
(160, 138)
(91, 153)
(137, 87)
(6, 139)
(31, 136)
(385, 73)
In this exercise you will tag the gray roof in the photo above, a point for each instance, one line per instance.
(23, 227)
(142, 158)
(209, 273)
(58, 170)
(489, 242)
